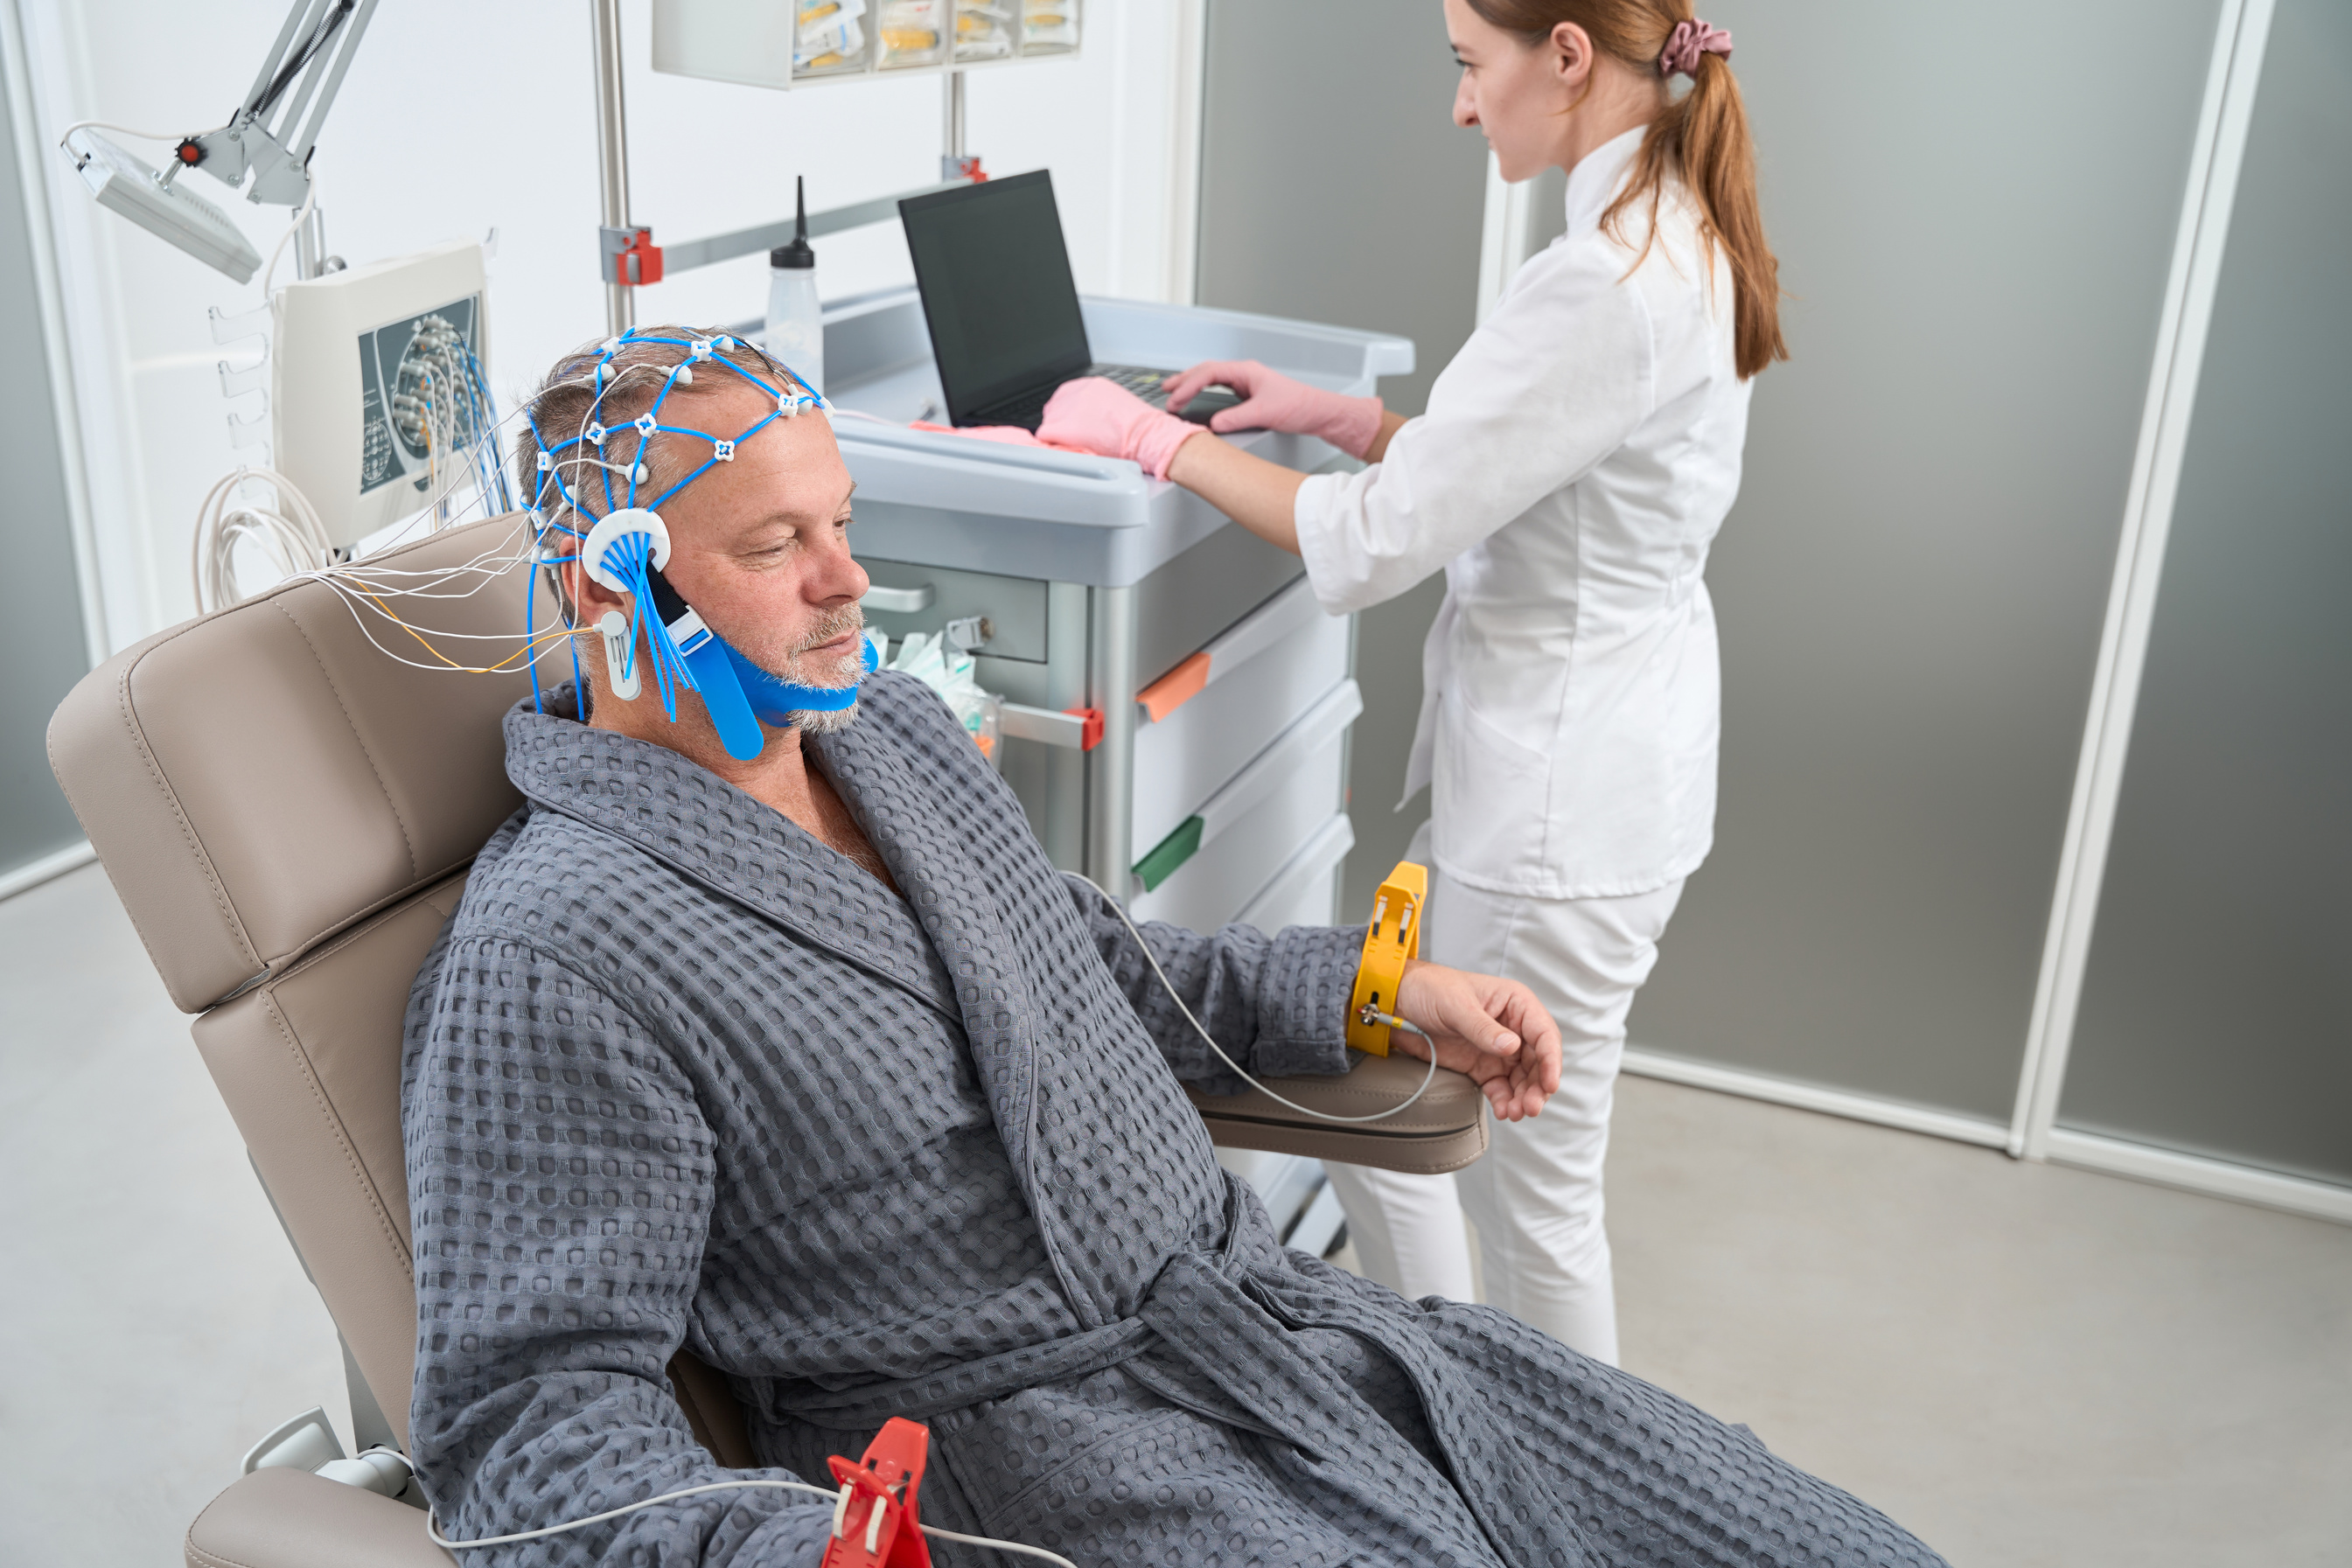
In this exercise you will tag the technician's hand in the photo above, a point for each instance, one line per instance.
(1091, 414)
(1491, 1029)
(1272, 400)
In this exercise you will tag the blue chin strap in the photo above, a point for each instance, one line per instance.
(776, 699)
(627, 548)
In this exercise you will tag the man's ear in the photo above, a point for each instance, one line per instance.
(592, 597)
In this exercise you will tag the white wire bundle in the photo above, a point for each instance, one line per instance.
(841, 1521)
(288, 531)
(370, 591)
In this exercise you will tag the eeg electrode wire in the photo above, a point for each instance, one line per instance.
(1371, 1015)
(750, 1484)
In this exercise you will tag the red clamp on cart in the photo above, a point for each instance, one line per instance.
(875, 1524)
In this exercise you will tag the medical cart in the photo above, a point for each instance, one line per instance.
(1177, 703)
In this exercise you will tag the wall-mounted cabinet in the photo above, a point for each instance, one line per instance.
(807, 43)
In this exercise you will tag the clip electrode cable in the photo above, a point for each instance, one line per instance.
(1368, 1016)
(840, 1500)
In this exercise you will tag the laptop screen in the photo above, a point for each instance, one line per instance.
(997, 290)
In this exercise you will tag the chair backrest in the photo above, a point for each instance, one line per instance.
(288, 814)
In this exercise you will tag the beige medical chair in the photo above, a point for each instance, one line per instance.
(289, 816)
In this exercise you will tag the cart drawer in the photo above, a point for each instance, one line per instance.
(1189, 756)
(1213, 885)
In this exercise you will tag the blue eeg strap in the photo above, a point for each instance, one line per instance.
(705, 654)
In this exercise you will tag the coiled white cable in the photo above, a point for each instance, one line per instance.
(290, 531)
(1370, 1015)
(840, 1520)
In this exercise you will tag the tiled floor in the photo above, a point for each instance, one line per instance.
(2026, 1365)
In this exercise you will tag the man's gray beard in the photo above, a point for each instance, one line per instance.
(846, 672)
(825, 721)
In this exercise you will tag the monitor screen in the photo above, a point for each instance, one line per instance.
(997, 290)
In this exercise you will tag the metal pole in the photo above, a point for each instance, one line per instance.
(1111, 766)
(311, 244)
(612, 152)
(951, 146)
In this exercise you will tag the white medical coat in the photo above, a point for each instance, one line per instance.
(1575, 462)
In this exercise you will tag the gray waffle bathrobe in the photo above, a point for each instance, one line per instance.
(678, 1074)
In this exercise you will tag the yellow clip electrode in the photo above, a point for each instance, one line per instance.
(1394, 937)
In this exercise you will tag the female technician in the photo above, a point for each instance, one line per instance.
(1575, 462)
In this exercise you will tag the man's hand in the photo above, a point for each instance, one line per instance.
(1491, 1029)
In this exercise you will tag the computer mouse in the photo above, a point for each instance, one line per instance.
(1208, 402)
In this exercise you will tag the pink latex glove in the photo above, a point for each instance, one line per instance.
(1091, 414)
(1272, 400)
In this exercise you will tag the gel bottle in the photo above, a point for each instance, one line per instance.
(795, 322)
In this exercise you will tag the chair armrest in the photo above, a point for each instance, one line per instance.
(1443, 1130)
(285, 1517)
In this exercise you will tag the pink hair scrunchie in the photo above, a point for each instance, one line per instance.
(1688, 42)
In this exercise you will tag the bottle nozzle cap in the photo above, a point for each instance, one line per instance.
(796, 254)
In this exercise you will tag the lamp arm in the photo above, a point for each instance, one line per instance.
(320, 37)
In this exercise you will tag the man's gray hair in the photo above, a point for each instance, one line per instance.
(565, 402)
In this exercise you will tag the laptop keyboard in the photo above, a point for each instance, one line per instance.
(1028, 409)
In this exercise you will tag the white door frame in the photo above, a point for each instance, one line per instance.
(2216, 160)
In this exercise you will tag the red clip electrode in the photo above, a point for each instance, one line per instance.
(875, 1525)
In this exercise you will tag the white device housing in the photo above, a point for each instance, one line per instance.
(335, 369)
(180, 217)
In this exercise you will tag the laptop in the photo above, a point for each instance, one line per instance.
(1003, 308)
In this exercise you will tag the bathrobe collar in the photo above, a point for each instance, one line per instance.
(930, 828)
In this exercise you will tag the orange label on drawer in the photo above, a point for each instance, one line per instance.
(1174, 689)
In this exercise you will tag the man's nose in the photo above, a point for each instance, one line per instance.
(837, 575)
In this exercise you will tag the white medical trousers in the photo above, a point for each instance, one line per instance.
(1536, 1195)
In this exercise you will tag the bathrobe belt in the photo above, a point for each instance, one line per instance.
(1212, 1335)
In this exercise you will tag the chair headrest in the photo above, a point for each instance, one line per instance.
(257, 780)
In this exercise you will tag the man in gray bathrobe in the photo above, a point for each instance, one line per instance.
(814, 1066)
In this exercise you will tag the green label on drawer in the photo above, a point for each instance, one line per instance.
(1168, 853)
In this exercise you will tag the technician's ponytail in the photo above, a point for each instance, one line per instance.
(1701, 135)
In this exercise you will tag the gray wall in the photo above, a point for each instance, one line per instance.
(1336, 187)
(2215, 1014)
(1912, 585)
(41, 644)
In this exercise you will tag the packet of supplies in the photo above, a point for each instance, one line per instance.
(983, 29)
(1048, 25)
(828, 37)
(911, 32)
(947, 670)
